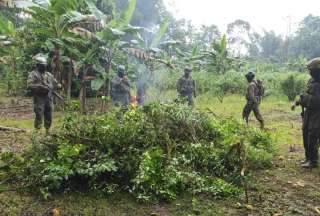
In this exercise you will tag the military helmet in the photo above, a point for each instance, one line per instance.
(121, 71)
(314, 64)
(250, 74)
(188, 70)
(40, 59)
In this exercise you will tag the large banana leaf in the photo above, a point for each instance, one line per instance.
(61, 7)
(166, 44)
(112, 34)
(162, 31)
(42, 3)
(97, 84)
(127, 15)
(74, 17)
(129, 29)
(101, 78)
(40, 14)
(6, 27)
(22, 4)
(95, 11)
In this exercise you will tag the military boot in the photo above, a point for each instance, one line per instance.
(303, 161)
(47, 131)
(309, 165)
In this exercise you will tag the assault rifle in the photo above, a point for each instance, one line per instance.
(298, 103)
(57, 96)
(53, 92)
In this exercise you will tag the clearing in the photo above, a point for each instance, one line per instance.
(285, 189)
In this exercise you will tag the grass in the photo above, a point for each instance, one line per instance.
(285, 189)
(19, 123)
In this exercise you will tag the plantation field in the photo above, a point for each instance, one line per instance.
(283, 189)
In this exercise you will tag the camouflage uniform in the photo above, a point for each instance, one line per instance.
(141, 91)
(40, 85)
(253, 103)
(186, 88)
(311, 121)
(310, 101)
(120, 91)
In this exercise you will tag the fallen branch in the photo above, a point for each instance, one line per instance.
(3, 128)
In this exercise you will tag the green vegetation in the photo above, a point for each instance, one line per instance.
(162, 157)
(265, 185)
(293, 86)
(155, 152)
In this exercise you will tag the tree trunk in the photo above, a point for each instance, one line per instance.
(82, 97)
(69, 84)
(108, 69)
(70, 76)
(56, 65)
(83, 92)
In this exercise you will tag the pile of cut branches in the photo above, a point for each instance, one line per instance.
(156, 152)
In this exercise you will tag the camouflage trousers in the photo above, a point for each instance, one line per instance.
(43, 109)
(311, 144)
(188, 98)
(252, 107)
(121, 100)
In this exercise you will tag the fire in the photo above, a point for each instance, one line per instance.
(134, 102)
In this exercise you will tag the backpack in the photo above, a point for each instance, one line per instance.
(260, 87)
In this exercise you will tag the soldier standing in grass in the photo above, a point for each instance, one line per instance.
(42, 84)
(120, 88)
(310, 101)
(186, 87)
(253, 96)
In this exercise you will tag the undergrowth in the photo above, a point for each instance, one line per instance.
(156, 153)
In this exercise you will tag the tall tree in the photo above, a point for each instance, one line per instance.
(270, 44)
(239, 36)
(306, 41)
(207, 34)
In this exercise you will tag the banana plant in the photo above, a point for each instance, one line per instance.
(50, 23)
(62, 30)
(10, 52)
(155, 53)
(218, 57)
(195, 57)
(112, 36)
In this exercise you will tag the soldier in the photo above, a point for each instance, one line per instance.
(186, 86)
(310, 101)
(120, 88)
(42, 83)
(253, 96)
(141, 86)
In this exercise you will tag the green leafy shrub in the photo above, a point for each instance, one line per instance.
(230, 83)
(293, 85)
(155, 152)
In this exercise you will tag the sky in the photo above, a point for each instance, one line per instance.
(276, 15)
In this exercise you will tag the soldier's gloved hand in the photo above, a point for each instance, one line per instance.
(304, 99)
